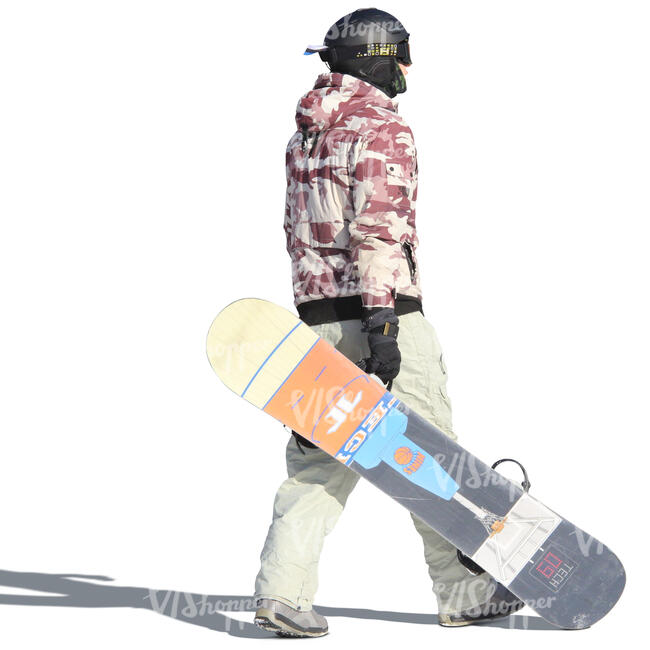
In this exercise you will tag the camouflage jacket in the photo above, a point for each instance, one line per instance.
(351, 191)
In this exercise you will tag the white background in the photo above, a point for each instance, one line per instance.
(142, 188)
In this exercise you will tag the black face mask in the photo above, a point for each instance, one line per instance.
(383, 72)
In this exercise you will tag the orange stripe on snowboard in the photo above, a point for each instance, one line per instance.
(325, 398)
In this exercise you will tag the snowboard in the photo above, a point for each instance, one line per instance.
(269, 357)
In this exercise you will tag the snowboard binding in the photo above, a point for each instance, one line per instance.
(491, 521)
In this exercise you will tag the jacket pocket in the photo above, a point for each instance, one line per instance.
(395, 173)
(401, 178)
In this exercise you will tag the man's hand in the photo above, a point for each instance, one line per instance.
(382, 327)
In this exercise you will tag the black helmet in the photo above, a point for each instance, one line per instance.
(368, 44)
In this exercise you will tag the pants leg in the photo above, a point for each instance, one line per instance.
(307, 504)
(421, 383)
(310, 500)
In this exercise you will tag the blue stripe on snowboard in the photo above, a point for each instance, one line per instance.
(267, 358)
(292, 370)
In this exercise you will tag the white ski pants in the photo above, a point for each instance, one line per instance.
(310, 501)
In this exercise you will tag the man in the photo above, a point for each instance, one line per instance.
(350, 227)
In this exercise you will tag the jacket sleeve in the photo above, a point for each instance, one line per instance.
(383, 194)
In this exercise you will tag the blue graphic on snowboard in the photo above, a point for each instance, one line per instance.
(388, 443)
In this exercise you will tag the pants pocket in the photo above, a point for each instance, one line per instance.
(428, 372)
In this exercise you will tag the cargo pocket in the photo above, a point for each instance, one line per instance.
(443, 367)
(445, 414)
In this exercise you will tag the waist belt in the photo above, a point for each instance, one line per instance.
(330, 310)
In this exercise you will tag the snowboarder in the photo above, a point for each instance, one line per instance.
(352, 180)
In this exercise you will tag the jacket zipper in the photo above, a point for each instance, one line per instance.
(410, 260)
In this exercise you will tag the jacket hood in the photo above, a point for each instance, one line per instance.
(335, 96)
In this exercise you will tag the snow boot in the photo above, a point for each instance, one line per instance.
(277, 617)
(502, 603)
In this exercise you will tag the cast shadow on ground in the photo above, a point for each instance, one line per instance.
(72, 590)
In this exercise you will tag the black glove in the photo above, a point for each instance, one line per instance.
(382, 327)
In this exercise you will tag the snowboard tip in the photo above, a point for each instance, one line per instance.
(253, 344)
